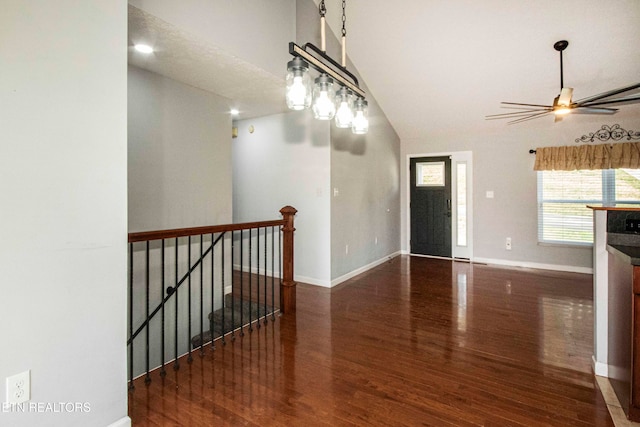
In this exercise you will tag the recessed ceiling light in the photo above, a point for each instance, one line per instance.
(234, 112)
(143, 48)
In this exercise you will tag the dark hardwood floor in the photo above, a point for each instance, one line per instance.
(414, 341)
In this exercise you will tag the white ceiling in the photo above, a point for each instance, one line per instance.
(442, 65)
(437, 66)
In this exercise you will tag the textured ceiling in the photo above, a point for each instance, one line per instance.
(186, 58)
(435, 67)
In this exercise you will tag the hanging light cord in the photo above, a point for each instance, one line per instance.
(344, 33)
(323, 11)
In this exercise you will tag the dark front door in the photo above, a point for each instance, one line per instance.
(431, 206)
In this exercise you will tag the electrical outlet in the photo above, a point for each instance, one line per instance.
(19, 388)
(508, 244)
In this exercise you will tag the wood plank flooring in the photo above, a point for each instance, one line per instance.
(415, 341)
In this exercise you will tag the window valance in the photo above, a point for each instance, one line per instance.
(576, 157)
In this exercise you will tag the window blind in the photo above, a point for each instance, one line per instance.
(563, 196)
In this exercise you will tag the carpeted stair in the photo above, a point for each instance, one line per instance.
(236, 312)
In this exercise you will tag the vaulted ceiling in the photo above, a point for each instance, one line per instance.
(442, 65)
(435, 64)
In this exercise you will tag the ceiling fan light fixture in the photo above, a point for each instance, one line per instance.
(565, 97)
(563, 104)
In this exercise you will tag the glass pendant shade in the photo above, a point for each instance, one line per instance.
(360, 123)
(323, 98)
(298, 85)
(344, 108)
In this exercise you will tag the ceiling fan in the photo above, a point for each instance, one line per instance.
(563, 103)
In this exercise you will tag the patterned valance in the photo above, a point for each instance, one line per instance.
(602, 156)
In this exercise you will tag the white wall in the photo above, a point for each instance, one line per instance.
(179, 176)
(502, 164)
(63, 174)
(179, 154)
(365, 214)
(256, 31)
(364, 170)
(286, 161)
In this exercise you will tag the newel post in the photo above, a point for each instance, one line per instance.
(288, 286)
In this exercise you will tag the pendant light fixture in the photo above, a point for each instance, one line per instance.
(344, 108)
(335, 87)
(323, 98)
(298, 84)
(361, 117)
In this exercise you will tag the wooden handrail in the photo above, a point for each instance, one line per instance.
(144, 236)
(288, 286)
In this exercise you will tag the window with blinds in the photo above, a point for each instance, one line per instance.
(563, 195)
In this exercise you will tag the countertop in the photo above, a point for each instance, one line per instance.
(632, 207)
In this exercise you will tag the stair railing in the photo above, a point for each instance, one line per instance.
(238, 286)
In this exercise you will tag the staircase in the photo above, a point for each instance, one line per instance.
(176, 276)
(237, 313)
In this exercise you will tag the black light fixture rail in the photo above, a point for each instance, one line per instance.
(335, 70)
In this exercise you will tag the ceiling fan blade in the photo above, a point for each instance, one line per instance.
(609, 93)
(624, 100)
(507, 107)
(526, 105)
(512, 114)
(530, 117)
(593, 110)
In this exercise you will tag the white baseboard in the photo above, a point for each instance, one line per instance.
(540, 266)
(329, 283)
(526, 264)
(122, 422)
(599, 368)
(362, 269)
(312, 281)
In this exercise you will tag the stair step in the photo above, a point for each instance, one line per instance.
(249, 310)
